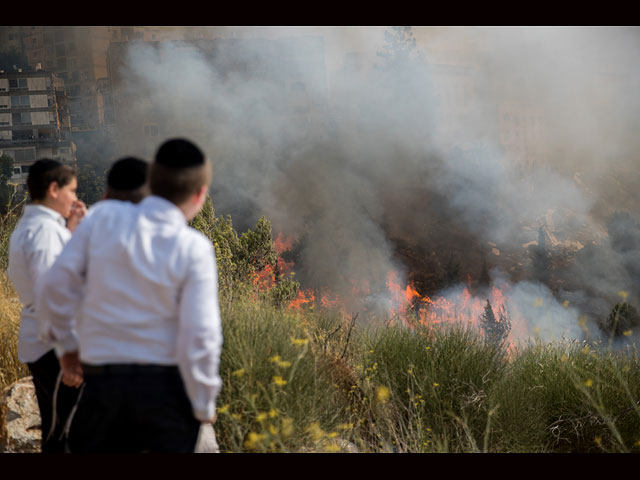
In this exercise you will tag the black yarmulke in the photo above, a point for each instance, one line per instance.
(179, 153)
(128, 173)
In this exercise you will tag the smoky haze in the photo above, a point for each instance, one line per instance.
(352, 161)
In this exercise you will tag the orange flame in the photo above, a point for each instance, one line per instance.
(462, 308)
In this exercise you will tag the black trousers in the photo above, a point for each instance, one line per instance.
(133, 408)
(45, 372)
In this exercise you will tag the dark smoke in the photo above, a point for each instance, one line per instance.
(353, 164)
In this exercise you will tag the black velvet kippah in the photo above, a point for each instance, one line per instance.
(128, 173)
(179, 153)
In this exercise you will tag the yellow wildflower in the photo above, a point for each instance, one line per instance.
(273, 430)
(278, 380)
(436, 384)
(236, 416)
(287, 427)
(623, 294)
(299, 341)
(273, 413)
(224, 409)
(238, 373)
(316, 431)
(332, 435)
(585, 349)
(284, 364)
(427, 348)
(332, 447)
(346, 426)
(382, 394)
(275, 358)
(254, 439)
(261, 417)
(588, 383)
(627, 333)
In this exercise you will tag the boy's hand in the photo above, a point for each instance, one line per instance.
(71, 369)
(78, 211)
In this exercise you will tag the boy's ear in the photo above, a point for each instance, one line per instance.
(53, 190)
(202, 193)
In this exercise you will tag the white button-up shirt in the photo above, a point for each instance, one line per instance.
(37, 240)
(150, 294)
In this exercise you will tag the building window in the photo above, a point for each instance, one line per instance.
(25, 156)
(18, 83)
(22, 135)
(16, 171)
(20, 101)
(23, 118)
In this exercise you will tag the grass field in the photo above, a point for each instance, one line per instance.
(317, 381)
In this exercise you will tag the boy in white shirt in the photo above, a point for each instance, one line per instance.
(39, 237)
(148, 323)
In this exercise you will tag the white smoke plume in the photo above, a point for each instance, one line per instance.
(351, 159)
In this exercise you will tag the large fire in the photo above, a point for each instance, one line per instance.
(459, 307)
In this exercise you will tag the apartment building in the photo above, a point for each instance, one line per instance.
(34, 120)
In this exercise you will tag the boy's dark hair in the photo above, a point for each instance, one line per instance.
(43, 173)
(127, 180)
(180, 169)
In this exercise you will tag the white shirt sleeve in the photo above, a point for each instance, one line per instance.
(199, 340)
(59, 292)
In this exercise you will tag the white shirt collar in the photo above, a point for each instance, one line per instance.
(41, 210)
(163, 210)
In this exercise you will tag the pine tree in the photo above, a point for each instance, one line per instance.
(623, 318)
(495, 330)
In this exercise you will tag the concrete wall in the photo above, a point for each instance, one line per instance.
(39, 118)
(39, 101)
(36, 83)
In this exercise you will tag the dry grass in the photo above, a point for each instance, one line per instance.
(10, 367)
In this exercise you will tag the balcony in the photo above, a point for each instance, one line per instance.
(38, 142)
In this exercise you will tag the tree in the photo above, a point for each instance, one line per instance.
(91, 183)
(623, 318)
(7, 190)
(495, 330)
(241, 257)
(400, 46)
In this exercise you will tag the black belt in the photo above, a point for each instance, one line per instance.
(127, 368)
